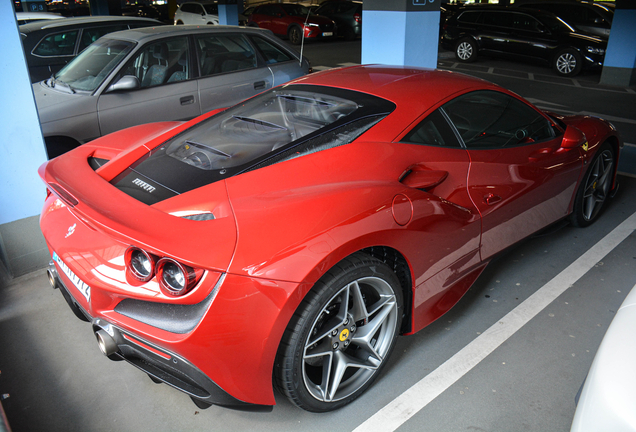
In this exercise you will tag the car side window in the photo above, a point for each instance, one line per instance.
(489, 119)
(90, 35)
(526, 23)
(224, 53)
(498, 19)
(469, 17)
(161, 62)
(433, 130)
(58, 44)
(271, 53)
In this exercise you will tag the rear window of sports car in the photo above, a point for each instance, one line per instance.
(270, 123)
(281, 124)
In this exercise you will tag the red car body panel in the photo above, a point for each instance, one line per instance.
(280, 25)
(279, 228)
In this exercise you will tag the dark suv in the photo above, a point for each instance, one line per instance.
(346, 14)
(588, 17)
(49, 45)
(523, 34)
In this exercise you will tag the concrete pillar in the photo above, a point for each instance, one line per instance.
(400, 32)
(228, 12)
(619, 68)
(22, 151)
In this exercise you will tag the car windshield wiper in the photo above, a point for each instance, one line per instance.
(57, 82)
(259, 122)
(212, 149)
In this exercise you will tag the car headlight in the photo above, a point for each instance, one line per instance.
(595, 50)
(140, 264)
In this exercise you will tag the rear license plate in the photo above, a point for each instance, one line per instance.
(83, 287)
(327, 34)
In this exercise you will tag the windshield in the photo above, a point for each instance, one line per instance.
(89, 69)
(260, 126)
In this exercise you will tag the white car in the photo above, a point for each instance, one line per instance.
(27, 17)
(197, 13)
(607, 401)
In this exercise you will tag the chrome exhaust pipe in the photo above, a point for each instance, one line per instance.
(106, 343)
(51, 274)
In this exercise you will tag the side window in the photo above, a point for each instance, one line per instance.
(469, 17)
(526, 23)
(271, 53)
(498, 19)
(90, 35)
(489, 119)
(189, 8)
(59, 44)
(224, 53)
(433, 130)
(161, 63)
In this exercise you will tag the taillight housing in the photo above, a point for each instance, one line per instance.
(357, 17)
(140, 264)
(176, 279)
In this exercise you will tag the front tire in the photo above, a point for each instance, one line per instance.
(341, 336)
(595, 188)
(295, 35)
(466, 50)
(568, 62)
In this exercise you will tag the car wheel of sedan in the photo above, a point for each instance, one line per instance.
(295, 35)
(466, 50)
(568, 62)
(595, 188)
(341, 335)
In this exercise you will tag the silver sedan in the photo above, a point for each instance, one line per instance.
(159, 74)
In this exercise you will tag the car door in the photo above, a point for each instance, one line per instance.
(165, 91)
(445, 225)
(531, 39)
(495, 31)
(229, 70)
(520, 178)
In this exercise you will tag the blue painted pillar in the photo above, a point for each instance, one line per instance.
(400, 32)
(620, 59)
(228, 12)
(22, 193)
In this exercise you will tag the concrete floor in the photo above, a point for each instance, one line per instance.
(54, 378)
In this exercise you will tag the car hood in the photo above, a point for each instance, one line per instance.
(54, 104)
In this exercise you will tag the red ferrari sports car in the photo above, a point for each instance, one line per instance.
(287, 241)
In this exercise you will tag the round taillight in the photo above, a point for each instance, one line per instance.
(140, 264)
(176, 279)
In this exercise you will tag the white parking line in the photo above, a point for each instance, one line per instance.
(428, 388)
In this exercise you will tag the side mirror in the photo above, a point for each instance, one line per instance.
(127, 82)
(573, 138)
(419, 177)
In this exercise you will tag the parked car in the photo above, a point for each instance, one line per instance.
(292, 21)
(49, 45)
(197, 13)
(27, 17)
(346, 14)
(158, 74)
(287, 241)
(522, 34)
(607, 399)
(585, 16)
(158, 12)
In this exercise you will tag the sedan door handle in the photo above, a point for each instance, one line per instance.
(259, 85)
(491, 199)
(187, 100)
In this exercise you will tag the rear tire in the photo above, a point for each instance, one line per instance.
(595, 188)
(341, 336)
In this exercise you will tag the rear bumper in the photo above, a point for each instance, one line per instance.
(160, 364)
